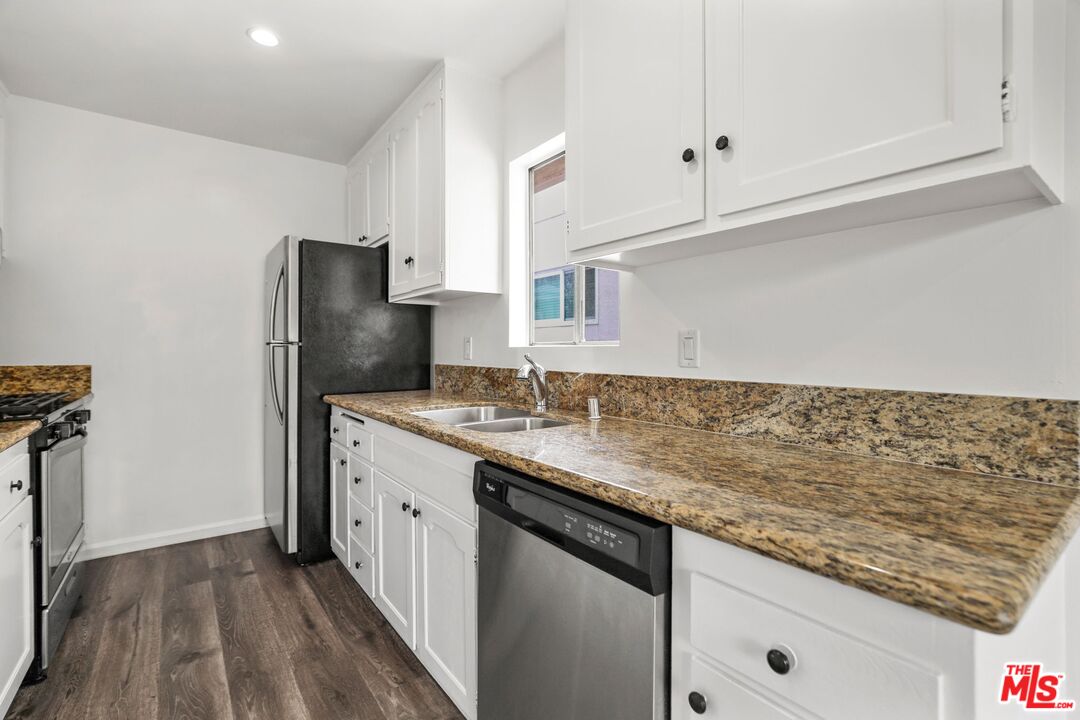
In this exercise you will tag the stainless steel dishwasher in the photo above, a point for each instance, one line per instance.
(573, 605)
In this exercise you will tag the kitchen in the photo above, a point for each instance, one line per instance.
(830, 331)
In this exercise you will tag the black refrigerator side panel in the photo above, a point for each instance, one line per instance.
(353, 340)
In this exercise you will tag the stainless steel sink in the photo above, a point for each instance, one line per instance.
(462, 416)
(514, 424)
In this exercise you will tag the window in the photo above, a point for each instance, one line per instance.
(569, 304)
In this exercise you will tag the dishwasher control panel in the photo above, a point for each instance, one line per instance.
(607, 538)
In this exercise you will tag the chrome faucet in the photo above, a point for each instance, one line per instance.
(535, 372)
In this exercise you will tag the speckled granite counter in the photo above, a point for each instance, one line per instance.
(25, 379)
(967, 547)
(16, 430)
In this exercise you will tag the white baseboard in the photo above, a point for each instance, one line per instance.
(91, 551)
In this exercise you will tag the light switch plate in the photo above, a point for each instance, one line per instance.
(689, 348)
(468, 348)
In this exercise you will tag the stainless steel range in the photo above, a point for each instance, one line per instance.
(56, 478)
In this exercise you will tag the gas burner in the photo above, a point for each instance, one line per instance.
(30, 405)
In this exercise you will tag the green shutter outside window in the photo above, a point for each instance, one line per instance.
(546, 297)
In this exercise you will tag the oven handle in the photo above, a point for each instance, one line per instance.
(76, 440)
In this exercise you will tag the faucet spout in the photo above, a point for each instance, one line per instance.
(534, 372)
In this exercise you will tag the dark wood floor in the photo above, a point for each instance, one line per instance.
(229, 628)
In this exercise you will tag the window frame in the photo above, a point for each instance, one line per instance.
(554, 148)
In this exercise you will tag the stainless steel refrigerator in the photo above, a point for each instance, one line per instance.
(328, 329)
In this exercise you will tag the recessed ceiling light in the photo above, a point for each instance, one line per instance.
(263, 36)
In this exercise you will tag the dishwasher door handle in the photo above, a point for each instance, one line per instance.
(553, 536)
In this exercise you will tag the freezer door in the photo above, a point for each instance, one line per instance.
(279, 442)
(282, 292)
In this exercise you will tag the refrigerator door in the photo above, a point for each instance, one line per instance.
(281, 364)
(282, 292)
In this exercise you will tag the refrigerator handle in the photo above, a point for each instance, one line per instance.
(271, 314)
(272, 367)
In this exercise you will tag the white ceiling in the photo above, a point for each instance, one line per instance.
(340, 70)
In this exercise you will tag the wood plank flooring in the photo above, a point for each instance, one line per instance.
(229, 629)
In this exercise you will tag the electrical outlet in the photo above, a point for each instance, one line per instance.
(689, 348)
(468, 347)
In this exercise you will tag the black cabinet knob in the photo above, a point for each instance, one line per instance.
(356, 480)
(698, 703)
(359, 564)
(356, 523)
(409, 260)
(404, 507)
(687, 155)
(416, 512)
(356, 443)
(779, 661)
(362, 238)
(342, 461)
(17, 485)
(335, 430)
(722, 142)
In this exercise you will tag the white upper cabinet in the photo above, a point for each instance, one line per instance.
(817, 117)
(815, 96)
(368, 183)
(429, 182)
(635, 117)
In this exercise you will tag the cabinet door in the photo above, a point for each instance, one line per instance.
(395, 558)
(339, 502)
(378, 193)
(16, 600)
(446, 601)
(429, 187)
(358, 202)
(635, 105)
(815, 96)
(403, 203)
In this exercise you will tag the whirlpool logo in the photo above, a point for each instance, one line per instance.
(1030, 687)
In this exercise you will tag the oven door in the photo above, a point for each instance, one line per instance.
(61, 510)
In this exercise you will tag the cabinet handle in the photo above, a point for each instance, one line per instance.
(356, 523)
(17, 485)
(356, 480)
(688, 155)
(698, 703)
(405, 507)
(335, 430)
(416, 512)
(780, 659)
(356, 443)
(342, 461)
(722, 143)
(359, 564)
(409, 260)
(362, 238)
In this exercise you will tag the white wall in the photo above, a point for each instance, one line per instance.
(984, 301)
(140, 250)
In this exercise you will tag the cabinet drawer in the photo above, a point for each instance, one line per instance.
(14, 483)
(359, 438)
(361, 567)
(362, 525)
(360, 485)
(722, 698)
(337, 427)
(832, 674)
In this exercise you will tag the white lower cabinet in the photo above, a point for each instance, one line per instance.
(395, 579)
(339, 502)
(755, 639)
(446, 600)
(411, 537)
(16, 578)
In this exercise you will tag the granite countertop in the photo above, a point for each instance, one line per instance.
(14, 431)
(967, 547)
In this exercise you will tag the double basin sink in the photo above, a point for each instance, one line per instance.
(490, 418)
